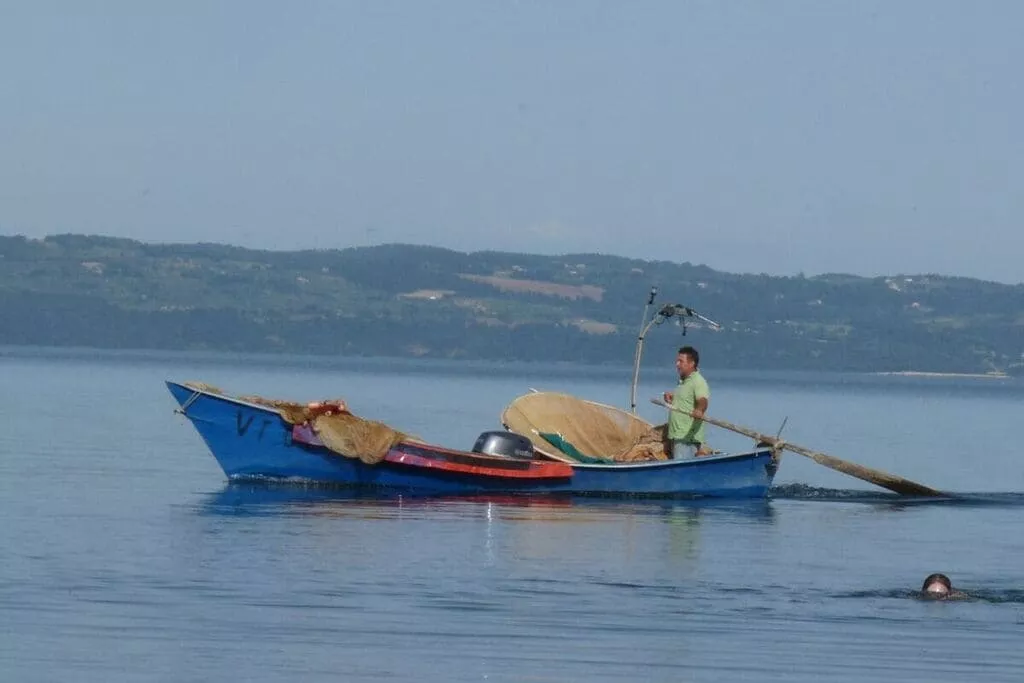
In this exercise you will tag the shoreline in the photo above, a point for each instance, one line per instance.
(508, 365)
(923, 373)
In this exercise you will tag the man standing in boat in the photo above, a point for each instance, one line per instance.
(686, 432)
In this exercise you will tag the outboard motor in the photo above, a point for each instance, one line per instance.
(508, 444)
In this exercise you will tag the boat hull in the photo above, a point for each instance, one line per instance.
(253, 441)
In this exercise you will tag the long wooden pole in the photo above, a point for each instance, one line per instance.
(877, 477)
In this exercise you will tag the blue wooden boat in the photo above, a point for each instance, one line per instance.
(253, 441)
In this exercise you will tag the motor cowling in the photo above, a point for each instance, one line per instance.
(508, 444)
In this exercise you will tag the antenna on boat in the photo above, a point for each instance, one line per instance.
(667, 311)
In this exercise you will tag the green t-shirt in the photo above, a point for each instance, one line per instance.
(682, 427)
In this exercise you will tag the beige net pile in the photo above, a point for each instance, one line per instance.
(340, 430)
(593, 430)
(355, 437)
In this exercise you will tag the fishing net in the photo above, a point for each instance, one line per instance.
(353, 436)
(341, 431)
(576, 430)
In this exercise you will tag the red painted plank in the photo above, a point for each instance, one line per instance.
(536, 469)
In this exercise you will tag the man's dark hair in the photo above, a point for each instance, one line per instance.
(692, 353)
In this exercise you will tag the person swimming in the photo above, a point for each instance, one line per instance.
(939, 587)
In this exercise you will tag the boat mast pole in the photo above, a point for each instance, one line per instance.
(639, 350)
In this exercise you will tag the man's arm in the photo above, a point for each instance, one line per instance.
(701, 394)
(700, 406)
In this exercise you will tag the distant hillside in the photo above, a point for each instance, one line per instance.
(400, 300)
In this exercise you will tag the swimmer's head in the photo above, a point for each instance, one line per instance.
(937, 586)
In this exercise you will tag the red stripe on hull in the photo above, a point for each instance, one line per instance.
(535, 469)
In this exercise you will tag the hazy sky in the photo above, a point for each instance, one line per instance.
(817, 136)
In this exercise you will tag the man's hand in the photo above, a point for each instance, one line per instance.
(698, 413)
(668, 396)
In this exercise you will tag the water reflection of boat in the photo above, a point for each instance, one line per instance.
(255, 497)
(254, 440)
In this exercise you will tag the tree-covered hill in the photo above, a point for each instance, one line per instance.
(80, 290)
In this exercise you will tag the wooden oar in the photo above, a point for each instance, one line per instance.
(877, 477)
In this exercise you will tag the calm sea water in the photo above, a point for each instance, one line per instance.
(126, 556)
